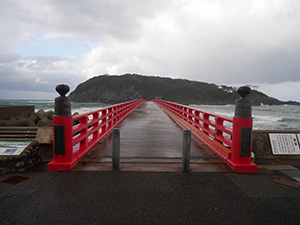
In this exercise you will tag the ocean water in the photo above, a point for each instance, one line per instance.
(265, 117)
(49, 105)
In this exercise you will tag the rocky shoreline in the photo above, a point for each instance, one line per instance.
(28, 159)
(40, 119)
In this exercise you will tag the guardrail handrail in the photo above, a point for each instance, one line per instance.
(108, 117)
(75, 135)
(232, 141)
(201, 119)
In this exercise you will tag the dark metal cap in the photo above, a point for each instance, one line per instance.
(244, 91)
(243, 106)
(62, 89)
(62, 106)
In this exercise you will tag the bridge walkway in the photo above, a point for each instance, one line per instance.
(150, 141)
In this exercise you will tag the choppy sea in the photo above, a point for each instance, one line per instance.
(265, 117)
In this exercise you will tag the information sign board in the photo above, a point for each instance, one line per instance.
(13, 147)
(284, 144)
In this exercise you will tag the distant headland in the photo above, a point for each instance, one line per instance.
(113, 89)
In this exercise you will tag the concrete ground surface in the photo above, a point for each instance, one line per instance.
(94, 194)
(116, 197)
(150, 141)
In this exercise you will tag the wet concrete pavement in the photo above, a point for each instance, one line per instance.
(150, 141)
(102, 196)
(77, 197)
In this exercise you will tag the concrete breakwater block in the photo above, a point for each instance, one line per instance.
(8, 111)
(45, 138)
(40, 119)
(14, 158)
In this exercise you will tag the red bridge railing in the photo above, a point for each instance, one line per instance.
(208, 124)
(229, 138)
(74, 136)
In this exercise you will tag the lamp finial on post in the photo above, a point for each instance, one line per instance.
(62, 106)
(243, 106)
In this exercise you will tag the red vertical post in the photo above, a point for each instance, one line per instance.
(205, 122)
(84, 142)
(109, 122)
(197, 116)
(242, 134)
(218, 123)
(96, 125)
(62, 132)
(114, 115)
(118, 113)
(103, 121)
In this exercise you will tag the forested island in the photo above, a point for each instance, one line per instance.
(113, 89)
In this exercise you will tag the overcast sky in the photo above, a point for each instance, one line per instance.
(232, 42)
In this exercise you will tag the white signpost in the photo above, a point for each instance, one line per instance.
(13, 147)
(285, 144)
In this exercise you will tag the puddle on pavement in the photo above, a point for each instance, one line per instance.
(287, 183)
(16, 180)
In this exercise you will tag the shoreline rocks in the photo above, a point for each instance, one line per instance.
(39, 119)
(28, 159)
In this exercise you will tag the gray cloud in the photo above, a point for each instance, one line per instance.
(9, 58)
(224, 42)
(40, 73)
(90, 19)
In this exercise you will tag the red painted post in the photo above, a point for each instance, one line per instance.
(83, 143)
(62, 132)
(218, 133)
(103, 118)
(242, 135)
(197, 116)
(96, 125)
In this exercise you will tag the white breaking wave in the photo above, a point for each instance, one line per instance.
(265, 117)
